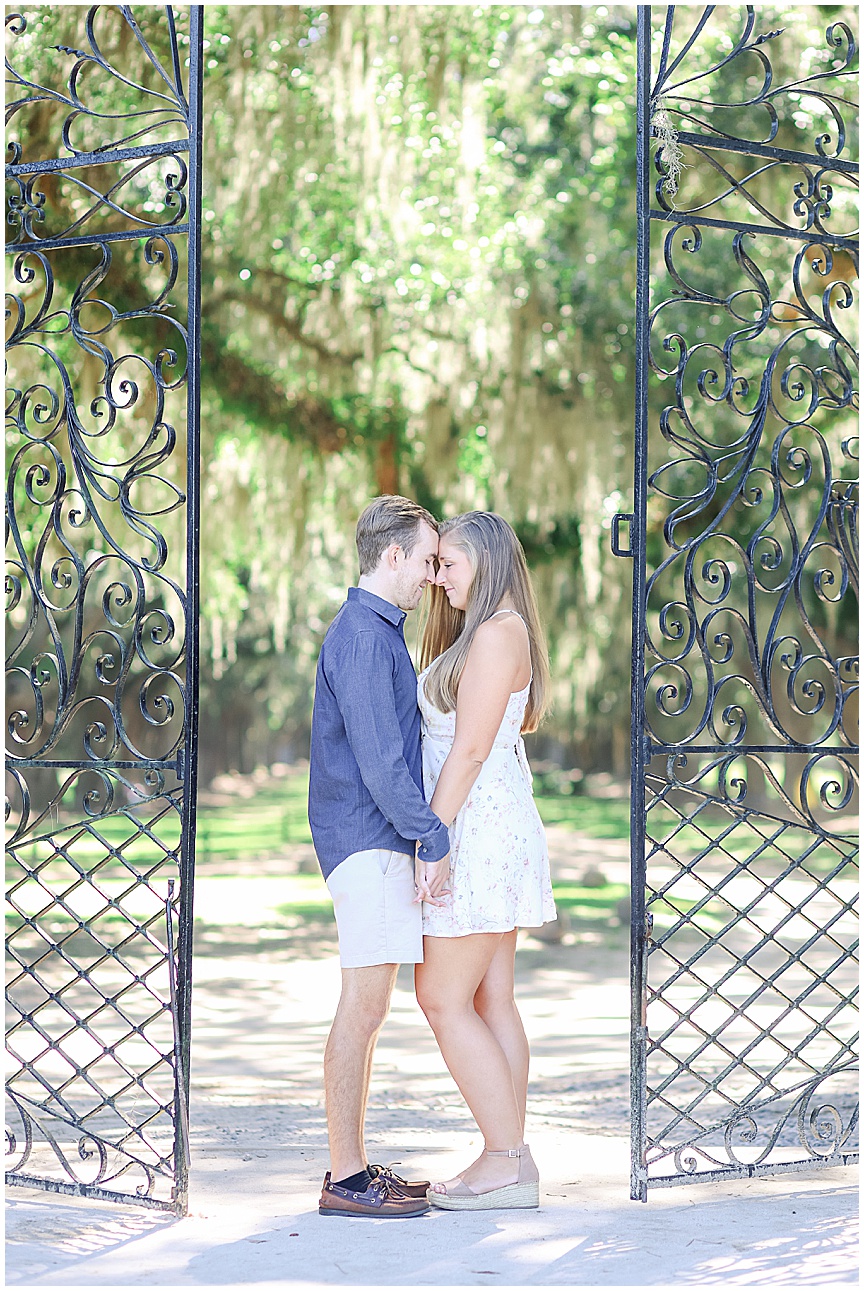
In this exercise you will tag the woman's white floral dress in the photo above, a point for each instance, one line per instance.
(499, 862)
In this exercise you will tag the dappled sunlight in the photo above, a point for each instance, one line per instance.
(67, 1231)
(820, 1256)
(81, 1228)
(266, 1019)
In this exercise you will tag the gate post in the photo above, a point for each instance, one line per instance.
(638, 1027)
(193, 533)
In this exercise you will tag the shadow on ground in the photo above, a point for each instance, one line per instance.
(262, 1010)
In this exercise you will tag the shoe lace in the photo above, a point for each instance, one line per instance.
(388, 1172)
(390, 1186)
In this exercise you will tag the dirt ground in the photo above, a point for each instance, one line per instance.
(262, 1009)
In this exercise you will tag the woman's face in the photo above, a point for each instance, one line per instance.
(455, 573)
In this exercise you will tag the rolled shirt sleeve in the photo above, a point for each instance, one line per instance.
(361, 679)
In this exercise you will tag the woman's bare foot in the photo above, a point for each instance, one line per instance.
(484, 1174)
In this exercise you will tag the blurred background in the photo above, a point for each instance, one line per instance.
(419, 276)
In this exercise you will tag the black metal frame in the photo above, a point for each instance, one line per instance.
(740, 846)
(100, 986)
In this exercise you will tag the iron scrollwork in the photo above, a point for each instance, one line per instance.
(745, 734)
(99, 1162)
(740, 537)
(801, 1119)
(725, 105)
(157, 101)
(103, 191)
(66, 471)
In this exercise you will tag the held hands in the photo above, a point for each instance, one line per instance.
(430, 880)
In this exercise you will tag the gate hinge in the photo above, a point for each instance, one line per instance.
(616, 533)
(181, 765)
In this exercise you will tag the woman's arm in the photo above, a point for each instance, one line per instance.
(498, 656)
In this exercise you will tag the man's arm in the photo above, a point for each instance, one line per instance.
(361, 678)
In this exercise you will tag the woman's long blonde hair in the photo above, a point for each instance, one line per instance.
(499, 566)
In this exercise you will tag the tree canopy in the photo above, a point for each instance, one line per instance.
(419, 275)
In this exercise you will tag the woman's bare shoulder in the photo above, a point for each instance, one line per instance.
(501, 637)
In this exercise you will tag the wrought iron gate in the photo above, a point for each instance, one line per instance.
(103, 203)
(743, 945)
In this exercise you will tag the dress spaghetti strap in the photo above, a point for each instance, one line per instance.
(497, 612)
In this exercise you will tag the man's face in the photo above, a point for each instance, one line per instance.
(416, 570)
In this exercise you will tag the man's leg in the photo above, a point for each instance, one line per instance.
(363, 1007)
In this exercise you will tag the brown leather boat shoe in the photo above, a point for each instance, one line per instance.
(381, 1200)
(397, 1183)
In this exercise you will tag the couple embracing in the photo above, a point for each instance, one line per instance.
(424, 823)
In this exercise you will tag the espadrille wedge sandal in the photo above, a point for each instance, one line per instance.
(524, 1194)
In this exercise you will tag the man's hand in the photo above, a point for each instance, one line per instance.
(430, 880)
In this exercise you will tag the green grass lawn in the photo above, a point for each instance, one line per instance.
(242, 829)
(238, 831)
(277, 815)
(258, 826)
(246, 828)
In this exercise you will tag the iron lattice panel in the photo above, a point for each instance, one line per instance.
(103, 316)
(744, 932)
(91, 1034)
(752, 978)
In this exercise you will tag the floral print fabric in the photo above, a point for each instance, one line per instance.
(499, 862)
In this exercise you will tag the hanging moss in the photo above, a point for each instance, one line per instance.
(418, 275)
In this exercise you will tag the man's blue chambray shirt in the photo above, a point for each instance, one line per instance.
(366, 771)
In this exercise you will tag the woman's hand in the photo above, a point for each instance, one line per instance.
(430, 880)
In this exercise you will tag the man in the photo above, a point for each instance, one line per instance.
(368, 815)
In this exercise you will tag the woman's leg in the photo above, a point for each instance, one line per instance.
(447, 982)
(495, 1004)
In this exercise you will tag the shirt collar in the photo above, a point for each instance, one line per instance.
(386, 609)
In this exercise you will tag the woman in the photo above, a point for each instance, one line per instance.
(484, 680)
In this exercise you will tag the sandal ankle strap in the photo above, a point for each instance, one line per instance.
(507, 1152)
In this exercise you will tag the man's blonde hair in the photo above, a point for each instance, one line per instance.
(386, 521)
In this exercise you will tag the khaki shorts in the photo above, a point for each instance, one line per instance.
(377, 918)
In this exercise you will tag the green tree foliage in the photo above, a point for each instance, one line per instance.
(419, 273)
(425, 247)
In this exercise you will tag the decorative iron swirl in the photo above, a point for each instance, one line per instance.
(74, 477)
(163, 178)
(817, 796)
(737, 641)
(99, 798)
(94, 81)
(753, 1131)
(713, 98)
(102, 1162)
(817, 197)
